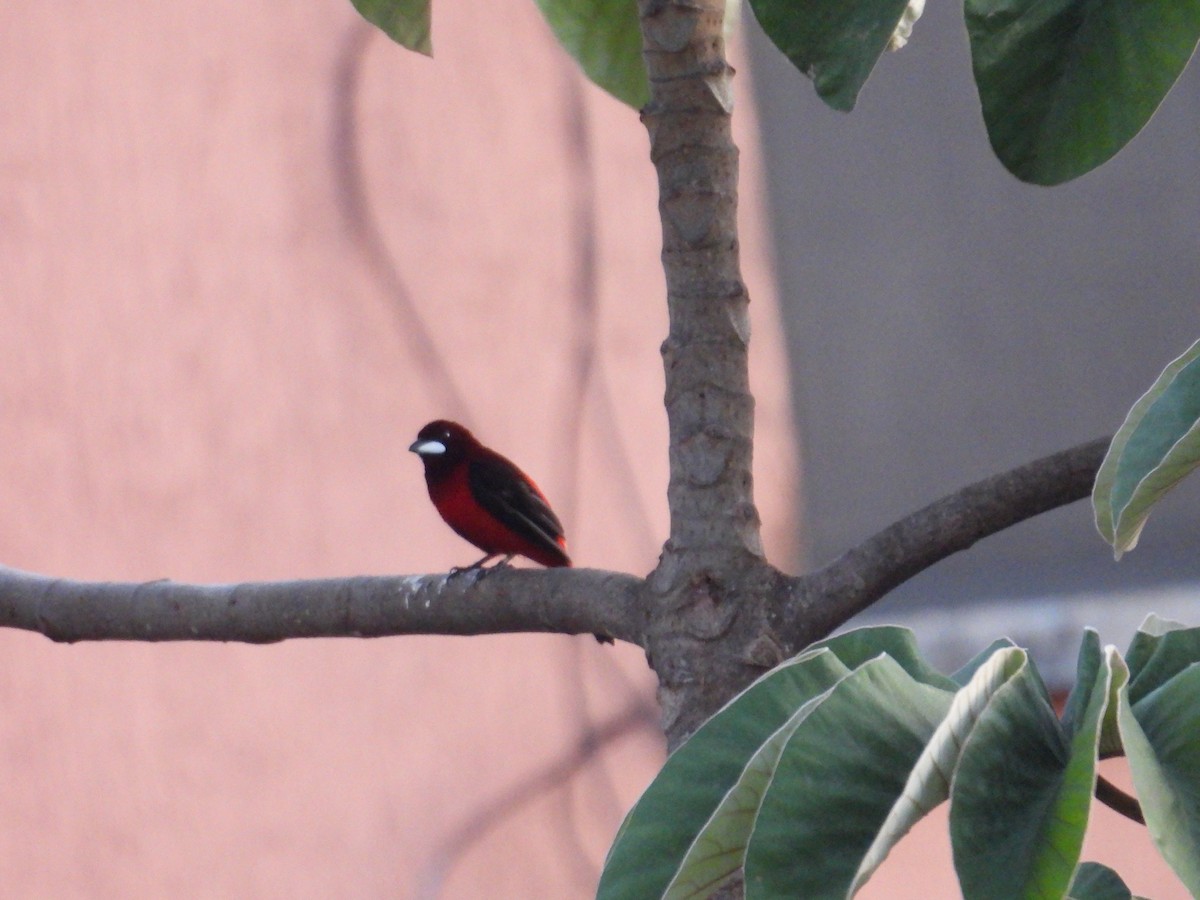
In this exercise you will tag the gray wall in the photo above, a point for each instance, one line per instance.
(946, 321)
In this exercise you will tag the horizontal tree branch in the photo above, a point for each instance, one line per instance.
(566, 601)
(827, 598)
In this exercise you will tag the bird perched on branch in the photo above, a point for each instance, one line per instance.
(487, 500)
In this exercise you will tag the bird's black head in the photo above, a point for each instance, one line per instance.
(442, 443)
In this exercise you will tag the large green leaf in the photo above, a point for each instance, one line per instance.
(1158, 445)
(859, 645)
(840, 773)
(1023, 787)
(1065, 84)
(1170, 654)
(604, 37)
(719, 849)
(1146, 640)
(1161, 735)
(657, 834)
(405, 21)
(833, 42)
(928, 783)
(964, 675)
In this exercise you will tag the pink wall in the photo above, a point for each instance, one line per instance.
(209, 374)
(206, 377)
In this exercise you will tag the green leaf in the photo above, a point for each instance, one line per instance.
(405, 21)
(660, 829)
(1096, 882)
(839, 774)
(1159, 651)
(1158, 445)
(690, 829)
(1023, 787)
(1161, 735)
(604, 37)
(833, 42)
(1065, 84)
(928, 783)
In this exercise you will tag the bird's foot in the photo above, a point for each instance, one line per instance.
(480, 567)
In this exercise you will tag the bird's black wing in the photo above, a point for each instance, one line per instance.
(506, 492)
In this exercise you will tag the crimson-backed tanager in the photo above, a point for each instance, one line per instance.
(486, 499)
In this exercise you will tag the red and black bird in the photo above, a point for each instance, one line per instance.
(486, 499)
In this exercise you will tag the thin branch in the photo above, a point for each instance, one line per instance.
(584, 293)
(587, 368)
(830, 596)
(553, 776)
(354, 201)
(564, 601)
(1119, 801)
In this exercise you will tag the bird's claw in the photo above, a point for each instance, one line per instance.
(480, 568)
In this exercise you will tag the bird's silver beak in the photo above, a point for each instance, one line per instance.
(427, 448)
